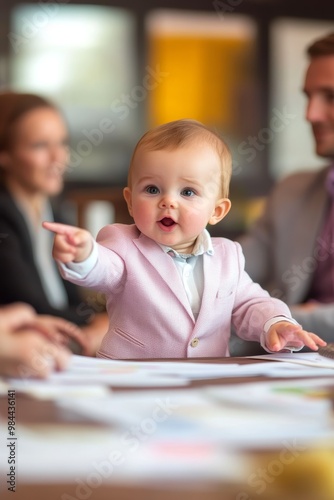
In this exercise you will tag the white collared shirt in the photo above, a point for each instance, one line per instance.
(190, 269)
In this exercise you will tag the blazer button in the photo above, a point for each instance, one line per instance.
(194, 342)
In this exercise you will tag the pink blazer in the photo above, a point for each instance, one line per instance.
(149, 313)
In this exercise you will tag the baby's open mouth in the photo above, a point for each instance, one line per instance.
(167, 221)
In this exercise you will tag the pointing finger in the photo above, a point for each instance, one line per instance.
(58, 228)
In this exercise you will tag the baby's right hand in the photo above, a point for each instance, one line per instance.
(71, 243)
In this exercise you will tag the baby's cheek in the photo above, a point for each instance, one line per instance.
(197, 209)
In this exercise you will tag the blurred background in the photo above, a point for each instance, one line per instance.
(117, 68)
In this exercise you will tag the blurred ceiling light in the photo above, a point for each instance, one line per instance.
(168, 22)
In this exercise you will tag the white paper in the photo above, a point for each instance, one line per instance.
(304, 397)
(304, 358)
(83, 455)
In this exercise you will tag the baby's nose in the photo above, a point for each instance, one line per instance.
(168, 202)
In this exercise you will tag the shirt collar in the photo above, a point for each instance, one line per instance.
(203, 245)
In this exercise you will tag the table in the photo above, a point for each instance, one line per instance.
(47, 418)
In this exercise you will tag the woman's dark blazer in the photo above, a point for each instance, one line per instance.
(19, 276)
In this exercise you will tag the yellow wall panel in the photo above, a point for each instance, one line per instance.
(205, 75)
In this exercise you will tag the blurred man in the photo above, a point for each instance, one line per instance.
(290, 249)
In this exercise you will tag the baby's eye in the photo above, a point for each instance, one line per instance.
(188, 192)
(152, 190)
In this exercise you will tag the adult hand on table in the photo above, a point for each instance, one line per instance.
(29, 344)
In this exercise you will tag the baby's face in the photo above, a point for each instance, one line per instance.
(174, 193)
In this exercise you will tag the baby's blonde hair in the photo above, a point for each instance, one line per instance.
(180, 133)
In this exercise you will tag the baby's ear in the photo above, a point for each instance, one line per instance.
(221, 209)
(128, 198)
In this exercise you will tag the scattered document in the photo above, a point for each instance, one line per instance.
(91, 376)
(77, 455)
(302, 358)
(308, 398)
(89, 371)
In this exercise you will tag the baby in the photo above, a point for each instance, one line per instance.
(173, 291)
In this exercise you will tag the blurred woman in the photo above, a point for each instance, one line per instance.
(33, 160)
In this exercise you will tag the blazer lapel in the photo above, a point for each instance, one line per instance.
(165, 267)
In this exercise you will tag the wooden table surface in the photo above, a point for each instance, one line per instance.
(34, 412)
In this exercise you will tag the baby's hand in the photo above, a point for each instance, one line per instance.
(71, 243)
(284, 333)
